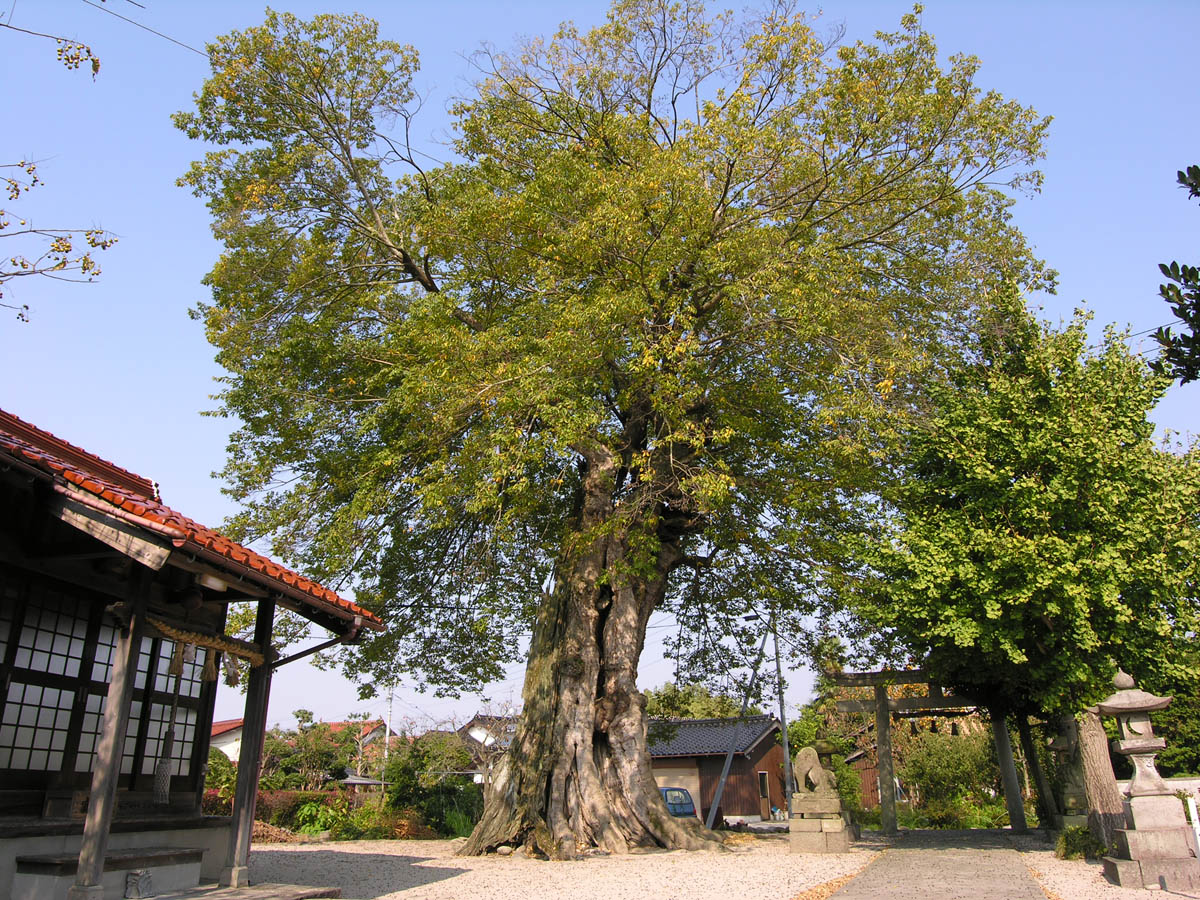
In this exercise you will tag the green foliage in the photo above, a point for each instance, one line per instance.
(315, 816)
(692, 701)
(955, 813)
(944, 769)
(1180, 356)
(279, 808)
(1178, 724)
(717, 313)
(308, 758)
(221, 775)
(371, 822)
(1077, 842)
(1040, 536)
(458, 823)
(424, 775)
(849, 783)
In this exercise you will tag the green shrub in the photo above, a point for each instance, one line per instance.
(459, 824)
(279, 808)
(949, 767)
(944, 812)
(221, 775)
(316, 816)
(849, 784)
(1076, 842)
(372, 822)
(418, 777)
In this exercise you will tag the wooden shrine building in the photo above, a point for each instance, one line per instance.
(112, 620)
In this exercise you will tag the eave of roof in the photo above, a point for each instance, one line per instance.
(55, 459)
(710, 737)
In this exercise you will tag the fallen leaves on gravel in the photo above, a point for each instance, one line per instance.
(1037, 876)
(825, 889)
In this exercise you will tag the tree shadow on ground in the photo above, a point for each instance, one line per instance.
(954, 839)
(361, 876)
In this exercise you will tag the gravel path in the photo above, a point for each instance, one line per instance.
(946, 865)
(761, 868)
(428, 870)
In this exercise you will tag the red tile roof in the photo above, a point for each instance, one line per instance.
(226, 725)
(364, 728)
(137, 498)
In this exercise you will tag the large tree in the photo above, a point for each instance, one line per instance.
(634, 349)
(1040, 538)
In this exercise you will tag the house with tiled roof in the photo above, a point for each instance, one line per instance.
(112, 634)
(690, 753)
(226, 736)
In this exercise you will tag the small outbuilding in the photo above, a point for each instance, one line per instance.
(690, 753)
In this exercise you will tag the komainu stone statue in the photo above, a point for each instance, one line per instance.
(818, 823)
(806, 767)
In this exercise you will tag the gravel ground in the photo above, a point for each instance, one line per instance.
(755, 867)
(428, 870)
(1076, 879)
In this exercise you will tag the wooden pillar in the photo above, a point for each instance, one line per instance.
(883, 750)
(1046, 801)
(1008, 773)
(107, 766)
(254, 725)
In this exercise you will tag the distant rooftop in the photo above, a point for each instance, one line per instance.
(708, 737)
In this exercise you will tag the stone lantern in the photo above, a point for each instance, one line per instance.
(1157, 848)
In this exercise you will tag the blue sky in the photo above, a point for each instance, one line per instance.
(118, 367)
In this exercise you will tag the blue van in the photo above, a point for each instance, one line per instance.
(678, 801)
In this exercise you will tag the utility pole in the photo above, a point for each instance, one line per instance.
(716, 802)
(387, 729)
(788, 787)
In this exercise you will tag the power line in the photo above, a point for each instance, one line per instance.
(287, 87)
(165, 37)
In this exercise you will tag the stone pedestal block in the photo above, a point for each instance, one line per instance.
(818, 825)
(816, 804)
(1167, 874)
(820, 841)
(1156, 843)
(1161, 811)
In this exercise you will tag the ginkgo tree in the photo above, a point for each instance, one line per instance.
(637, 347)
(1039, 538)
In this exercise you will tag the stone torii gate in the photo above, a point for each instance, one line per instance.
(936, 703)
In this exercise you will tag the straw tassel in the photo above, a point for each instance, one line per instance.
(209, 672)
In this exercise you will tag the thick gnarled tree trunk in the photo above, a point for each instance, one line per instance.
(577, 775)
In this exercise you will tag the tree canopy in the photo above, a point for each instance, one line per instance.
(639, 346)
(712, 300)
(1181, 352)
(692, 701)
(1040, 538)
